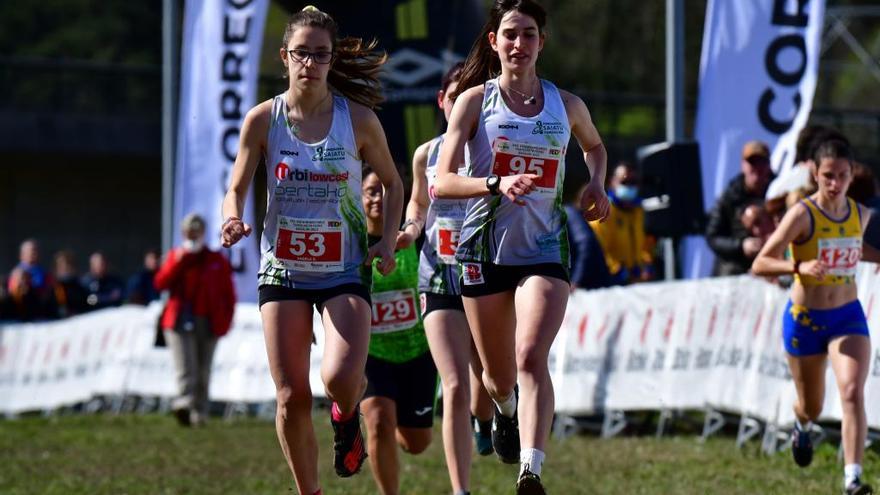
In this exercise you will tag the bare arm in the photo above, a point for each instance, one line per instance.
(251, 146)
(373, 149)
(462, 124)
(594, 202)
(869, 252)
(770, 262)
(419, 201)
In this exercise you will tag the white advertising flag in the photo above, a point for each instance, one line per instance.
(219, 70)
(758, 75)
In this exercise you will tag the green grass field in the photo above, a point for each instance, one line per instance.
(150, 454)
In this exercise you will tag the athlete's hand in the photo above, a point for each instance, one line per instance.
(405, 238)
(385, 253)
(751, 246)
(233, 230)
(594, 202)
(813, 268)
(514, 186)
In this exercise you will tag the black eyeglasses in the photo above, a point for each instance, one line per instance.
(303, 56)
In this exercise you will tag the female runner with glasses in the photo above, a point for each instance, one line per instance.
(314, 138)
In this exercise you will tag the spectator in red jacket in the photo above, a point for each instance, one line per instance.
(199, 311)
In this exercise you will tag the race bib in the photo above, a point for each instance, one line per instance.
(394, 310)
(472, 274)
(513, 158)
(448, 234)
(841, 254)
(309, 244)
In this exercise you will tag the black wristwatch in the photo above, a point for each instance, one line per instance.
(492, 183)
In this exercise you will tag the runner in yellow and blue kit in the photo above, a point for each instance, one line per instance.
(823, 318)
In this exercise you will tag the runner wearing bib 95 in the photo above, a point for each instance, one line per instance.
(445, 323)
(824, 318)
(514, 246)
(314, 138)
(398, 405)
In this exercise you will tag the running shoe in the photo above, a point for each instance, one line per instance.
(183, 416)
(483, 436)
(505, 436)
(348, 445)
(529, 483)
(801, 447)
(858, 488)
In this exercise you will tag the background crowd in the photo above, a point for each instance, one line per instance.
(33, 291)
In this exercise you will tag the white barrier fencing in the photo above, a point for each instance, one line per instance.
(698, 344)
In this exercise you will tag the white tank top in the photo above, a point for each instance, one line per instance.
(315, 233)
(496, 230)
(438, 268)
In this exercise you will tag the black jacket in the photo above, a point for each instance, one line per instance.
(724, 230)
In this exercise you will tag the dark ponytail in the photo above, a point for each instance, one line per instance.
(355, 68)
(482, 62)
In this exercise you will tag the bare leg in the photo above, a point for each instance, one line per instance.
(450, 341)
(380, 417)
(413, 441)
(481, 403)
(808, 373)
(287, 326)
(346, 321)
(850, 358)
(540, 307)
(493, 326)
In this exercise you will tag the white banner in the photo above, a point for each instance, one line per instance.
(758, 75)
(711, 343)
(219, 69)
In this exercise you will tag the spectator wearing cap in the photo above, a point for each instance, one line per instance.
(734, 246)
(199, 311)
(103, 289)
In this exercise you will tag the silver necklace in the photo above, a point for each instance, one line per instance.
(294, 125)
(527, 99)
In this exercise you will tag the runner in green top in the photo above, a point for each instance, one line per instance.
(397, 331)
(398, 405)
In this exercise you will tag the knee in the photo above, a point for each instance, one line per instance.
(456, 392)
(293, 400)
(852, 395)
(415, 442)
(530, 359)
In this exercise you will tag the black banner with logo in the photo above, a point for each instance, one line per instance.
(423, 38)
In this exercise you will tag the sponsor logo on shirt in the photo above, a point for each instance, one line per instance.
(284, 172)
(328, 154)
(290, 153)
(548, 128)
(299, 185)
(508, 126)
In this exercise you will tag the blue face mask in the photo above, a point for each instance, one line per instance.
(626, 193)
